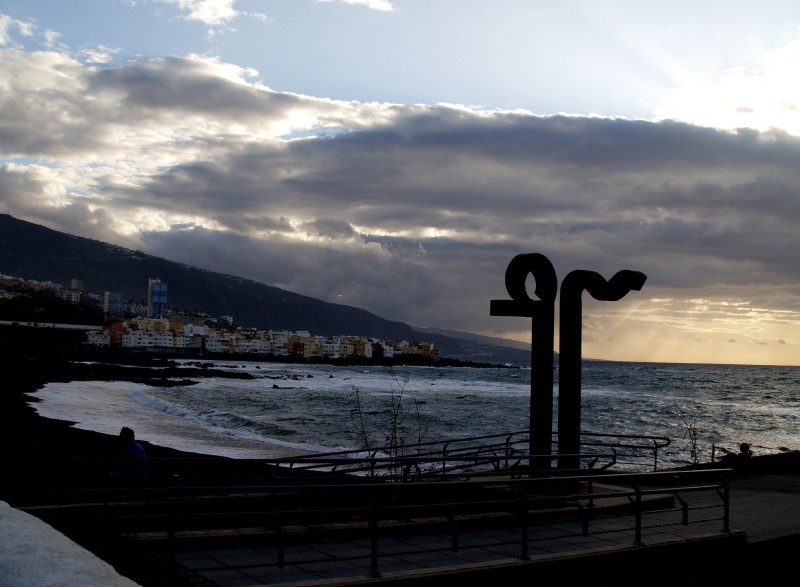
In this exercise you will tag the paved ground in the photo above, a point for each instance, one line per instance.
(764, 526)
(766, 507)
(760, 548)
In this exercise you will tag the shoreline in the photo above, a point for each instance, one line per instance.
(29, 434)
(32, 435)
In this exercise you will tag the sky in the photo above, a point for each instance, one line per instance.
(395, 155)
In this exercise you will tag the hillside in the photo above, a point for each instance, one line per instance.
(35, 252)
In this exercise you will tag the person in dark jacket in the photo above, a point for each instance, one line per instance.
(133, 456)
(738, 461)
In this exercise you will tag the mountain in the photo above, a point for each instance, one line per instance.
(35, 252)
(478, 338)
(485, 348)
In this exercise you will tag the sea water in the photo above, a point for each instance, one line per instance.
(295, 409)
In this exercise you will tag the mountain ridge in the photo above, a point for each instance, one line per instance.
(36, 252)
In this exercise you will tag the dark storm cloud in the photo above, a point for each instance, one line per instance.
(412, 212)
(330, 228)
(377, 170)
(605, 143)
(692, 206)
(368, 278)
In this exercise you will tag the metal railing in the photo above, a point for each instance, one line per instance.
(499, 455)
(503, 451)
(170, 512)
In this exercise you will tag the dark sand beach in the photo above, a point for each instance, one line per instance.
(29, 362)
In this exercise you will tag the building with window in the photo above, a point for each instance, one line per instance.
(156, 298)
(113, 303)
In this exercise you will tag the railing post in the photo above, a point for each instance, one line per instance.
(453, 534)
(655, 455)
(584, 517)
(684, 509)
(726, 504)
(523, 555)
(373, 535)
(637, 540)
(281, 548)
(171, 532)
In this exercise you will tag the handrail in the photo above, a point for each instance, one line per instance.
(655, 443)
(481, 456)
(169, 486)
(157, 506)
(511, 444)
(179, 471)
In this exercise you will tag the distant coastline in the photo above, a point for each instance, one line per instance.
(72, 343)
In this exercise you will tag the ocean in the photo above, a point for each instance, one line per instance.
(298, 409)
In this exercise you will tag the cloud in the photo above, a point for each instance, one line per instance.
(383, 5)
(412, 212)
(9, 25)
(220, 13)
(99, 54)
(210, 12)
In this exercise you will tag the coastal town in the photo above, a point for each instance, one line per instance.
(154, 325)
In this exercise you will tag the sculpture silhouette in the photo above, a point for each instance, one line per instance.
(542, 312)
(569, 354)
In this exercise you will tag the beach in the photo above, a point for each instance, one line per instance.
(27, 434)
(32, 552)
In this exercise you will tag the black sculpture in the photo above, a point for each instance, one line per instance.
(541, 311)
(569, 350)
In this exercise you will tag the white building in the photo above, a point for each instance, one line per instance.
(99, 337)
(143, 339)
(257, 346)
(195, 329)
(182, 341)
(218, 344)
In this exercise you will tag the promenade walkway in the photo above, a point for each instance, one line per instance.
(761, 545)
(595, 538)
(765, 528)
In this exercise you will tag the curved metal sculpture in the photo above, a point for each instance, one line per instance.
(569, 358)
(542, 314)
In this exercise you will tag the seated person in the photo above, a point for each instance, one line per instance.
(133, 456)
(736, 460)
